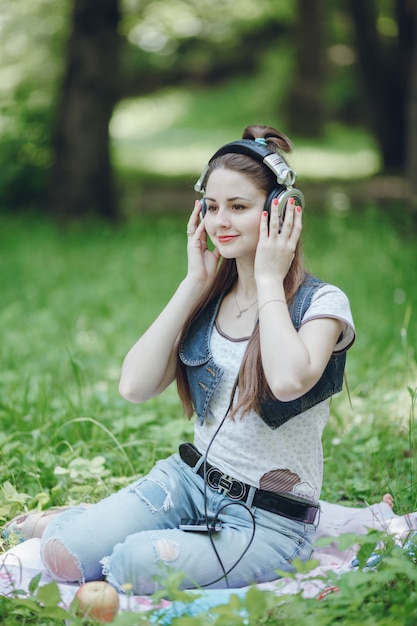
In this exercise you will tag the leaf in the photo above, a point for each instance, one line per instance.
(255, 602)
(10, 494)
(305, 567)
(60, 471)
(29, 603)
(34, 583)
(49, 594)
(55, 612)
(346, 541)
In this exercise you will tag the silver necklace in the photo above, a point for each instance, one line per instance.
(241, 311)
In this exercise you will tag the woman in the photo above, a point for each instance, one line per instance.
(257, 347)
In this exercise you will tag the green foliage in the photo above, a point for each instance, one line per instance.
(31, 59)
(40, 606)
(67, 434)
(384, 595)
(25, 153)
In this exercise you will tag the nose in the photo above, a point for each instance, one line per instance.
(222, 218)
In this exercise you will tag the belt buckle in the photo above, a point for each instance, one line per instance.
(225, 484)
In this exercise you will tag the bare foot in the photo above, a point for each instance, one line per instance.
(388, 499)
(33, 523)
(41, 523)
(29, 525)
(46, 516)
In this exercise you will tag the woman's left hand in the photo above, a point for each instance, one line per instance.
(275, 251)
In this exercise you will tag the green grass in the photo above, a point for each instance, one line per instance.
(71, 306)
(74, 301)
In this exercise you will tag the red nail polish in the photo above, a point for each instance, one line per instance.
(265, 213)
(292, 200)
(275, 201)
(299, 209)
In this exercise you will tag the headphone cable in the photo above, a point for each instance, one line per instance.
(211, 525)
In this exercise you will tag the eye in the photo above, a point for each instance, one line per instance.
(211, 208)
(237, 207)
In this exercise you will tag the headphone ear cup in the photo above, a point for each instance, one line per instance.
(203, 207)
(275, 193)
(283, 195)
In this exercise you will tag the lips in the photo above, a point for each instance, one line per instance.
(226, 238)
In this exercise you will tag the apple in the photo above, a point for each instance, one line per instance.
(99, 600)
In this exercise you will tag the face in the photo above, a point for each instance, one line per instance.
(234, 209)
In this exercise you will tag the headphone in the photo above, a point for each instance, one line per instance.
(259, 151)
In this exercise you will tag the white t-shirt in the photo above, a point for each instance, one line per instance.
(289, 458)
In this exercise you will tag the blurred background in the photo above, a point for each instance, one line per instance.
(112, 107)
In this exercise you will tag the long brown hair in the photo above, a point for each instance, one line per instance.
(253, 387)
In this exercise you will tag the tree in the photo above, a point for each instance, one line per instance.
(81, 176)
(386, 69)
(411, 143)
(306, 106)
(81, 181)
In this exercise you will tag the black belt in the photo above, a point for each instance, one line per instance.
(237, 490)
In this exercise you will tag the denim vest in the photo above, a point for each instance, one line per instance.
(204, 375)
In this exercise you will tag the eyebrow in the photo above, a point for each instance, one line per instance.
(230, 199)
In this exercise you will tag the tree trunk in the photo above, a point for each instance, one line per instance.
(81, 176)
(305, 105)
(384, 66)
(411, 141)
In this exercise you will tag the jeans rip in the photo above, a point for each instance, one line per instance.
(153, 493)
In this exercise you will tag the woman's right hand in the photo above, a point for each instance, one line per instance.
(202, 262)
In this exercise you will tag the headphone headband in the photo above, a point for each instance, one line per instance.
(255, 150)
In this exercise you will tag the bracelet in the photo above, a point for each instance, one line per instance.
(269, 301)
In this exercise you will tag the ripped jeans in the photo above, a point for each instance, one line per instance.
(132, 538)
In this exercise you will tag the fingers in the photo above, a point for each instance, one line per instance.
(196, 229)
(297, 222)
(276, 248)
(287, 225)
(274, 225)
(264, 225)
(193, 222)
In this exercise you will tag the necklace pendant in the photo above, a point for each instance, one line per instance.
(241, 311)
